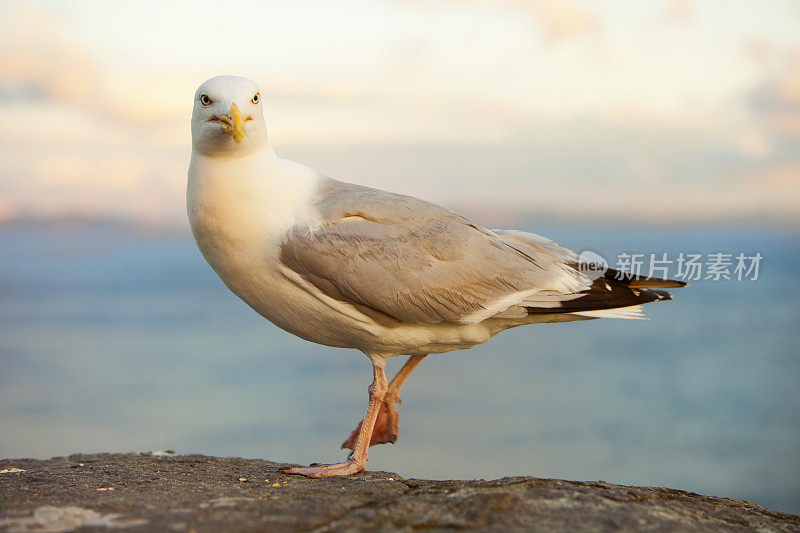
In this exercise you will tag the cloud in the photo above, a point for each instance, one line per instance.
(760, 51)
(454, 102)
(774, 138)
(776, 187)
(784, 176)
(776, 102)
(755, 143)
(44, 64)
(676, 11)
(559, 19)
(50, 65)
(70, 141)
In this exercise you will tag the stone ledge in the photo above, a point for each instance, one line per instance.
(164, 492)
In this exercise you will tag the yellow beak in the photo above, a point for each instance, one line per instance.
(237, 127)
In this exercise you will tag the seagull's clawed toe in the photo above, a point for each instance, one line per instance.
(317, 470)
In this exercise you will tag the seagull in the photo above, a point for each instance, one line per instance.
(349, 266)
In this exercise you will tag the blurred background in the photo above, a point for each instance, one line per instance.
(659, 126)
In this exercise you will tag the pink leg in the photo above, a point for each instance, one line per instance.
(388, 422)
(358, 459)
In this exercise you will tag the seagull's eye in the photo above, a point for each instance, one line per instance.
(256, 98)
(205, 100)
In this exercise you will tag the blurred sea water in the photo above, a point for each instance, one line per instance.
(116, 341)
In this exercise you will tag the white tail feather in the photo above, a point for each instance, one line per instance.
(633, 312)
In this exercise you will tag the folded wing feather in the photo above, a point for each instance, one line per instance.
(415, 262)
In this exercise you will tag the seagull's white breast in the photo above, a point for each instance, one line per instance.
(239, 209)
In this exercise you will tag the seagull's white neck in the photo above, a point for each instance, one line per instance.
(202, 163)
(243, 203)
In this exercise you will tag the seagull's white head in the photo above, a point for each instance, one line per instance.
(227, 119)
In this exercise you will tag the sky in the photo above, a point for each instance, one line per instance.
(625, 111)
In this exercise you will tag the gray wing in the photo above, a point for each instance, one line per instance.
(417, 262)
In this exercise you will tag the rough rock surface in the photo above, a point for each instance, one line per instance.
(164, 492)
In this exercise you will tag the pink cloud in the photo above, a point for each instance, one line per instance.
(777, 100)
(559, 19)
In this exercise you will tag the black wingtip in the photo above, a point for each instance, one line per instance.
(635, 281)
(660, 295)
